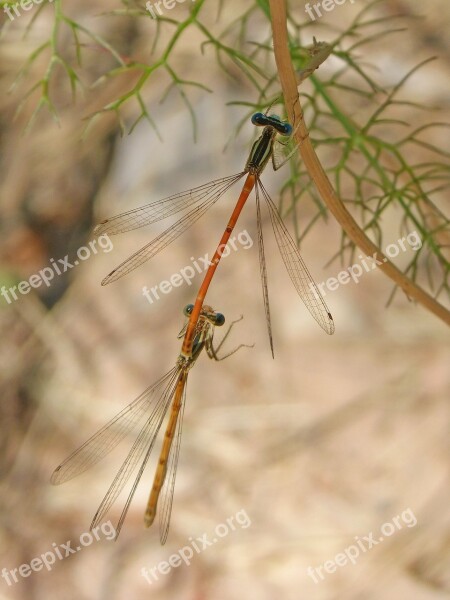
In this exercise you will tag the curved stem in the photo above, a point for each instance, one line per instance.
(318, 175)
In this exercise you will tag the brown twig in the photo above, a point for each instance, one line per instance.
(346, 221)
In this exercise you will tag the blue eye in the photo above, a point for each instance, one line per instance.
(220, 319)
(188, 310)
(284, 128)
(259, 119)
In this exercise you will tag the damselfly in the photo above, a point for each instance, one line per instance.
(148, 412)
(200, 199)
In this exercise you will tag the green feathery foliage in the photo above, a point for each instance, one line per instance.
(371, 168)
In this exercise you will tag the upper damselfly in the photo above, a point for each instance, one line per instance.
(267, 147)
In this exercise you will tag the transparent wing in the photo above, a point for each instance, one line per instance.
(167, 491)
(109, 436)
(298, 272)
(282, 152)
(159, 243)
(165, 238)
(160, 209)
(143, 444)
(263, 269)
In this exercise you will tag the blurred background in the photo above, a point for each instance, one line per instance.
(332, 439)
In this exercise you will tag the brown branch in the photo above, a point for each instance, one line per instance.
(346, 221)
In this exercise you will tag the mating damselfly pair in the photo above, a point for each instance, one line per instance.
(168, 393)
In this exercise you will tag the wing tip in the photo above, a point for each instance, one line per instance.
(54, 479)
(331, 327)
(109, 278)
(98, 229)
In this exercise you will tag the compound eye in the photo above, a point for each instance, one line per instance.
(188, 310)
(220, 319)
(285, 128)
(259, 119)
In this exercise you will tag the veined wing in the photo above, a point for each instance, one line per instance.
(164, 239)
(282, 153)
(160, 209)
(298, 272)
(143, 444)
(263, 269)
(109, 436)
